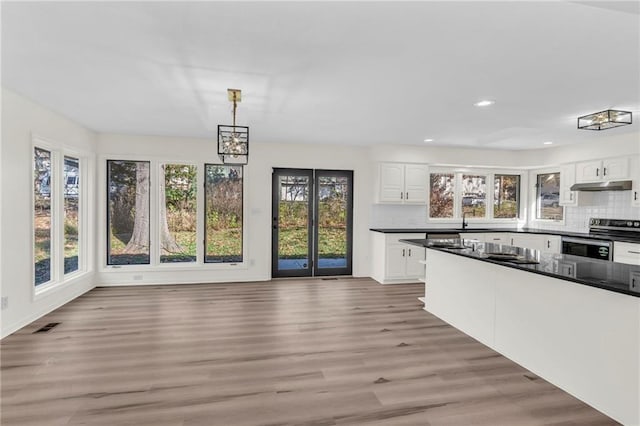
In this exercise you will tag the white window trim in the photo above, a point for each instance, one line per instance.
(489, 173)
(59, 279)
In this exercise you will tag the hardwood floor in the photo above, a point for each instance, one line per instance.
(294, 352)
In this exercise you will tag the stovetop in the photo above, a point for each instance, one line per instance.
(628, 228)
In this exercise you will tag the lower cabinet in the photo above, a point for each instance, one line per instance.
(396, 262)
(543, 243)
(626, 253)
(498, 238)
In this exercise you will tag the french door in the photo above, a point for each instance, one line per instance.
(312, 222)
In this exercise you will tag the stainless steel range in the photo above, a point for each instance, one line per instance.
(608, 230)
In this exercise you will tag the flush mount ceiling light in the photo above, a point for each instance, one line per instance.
(428, 140)
(233, 141)
(484, 103)
(603, 120)
(547, 143)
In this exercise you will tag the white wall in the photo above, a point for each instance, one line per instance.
(22, 118)
(263, 157)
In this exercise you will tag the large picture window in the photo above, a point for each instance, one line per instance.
(548, 197)
(442, 187)
(128, 212)
(223, 213)
(42, 215)
(178, 219)
(71, 180)
(506, 196)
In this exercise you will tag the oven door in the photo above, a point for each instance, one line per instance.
(594, 249)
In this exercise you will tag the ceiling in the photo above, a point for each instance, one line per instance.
(333, 72)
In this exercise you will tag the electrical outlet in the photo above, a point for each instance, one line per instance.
(4, 302)
(137, 277)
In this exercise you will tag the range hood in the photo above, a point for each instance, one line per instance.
(614, 185)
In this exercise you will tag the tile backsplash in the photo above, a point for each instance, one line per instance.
(608, 204)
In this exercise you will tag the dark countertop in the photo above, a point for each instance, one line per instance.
(602, 274)
(626, 238)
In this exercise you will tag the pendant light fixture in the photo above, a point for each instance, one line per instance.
(603, 120)
(233, 141)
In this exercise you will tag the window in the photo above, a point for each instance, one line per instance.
(474, 195)
(506, 196)
(548, 197)
(223, 213)
(128, 212)
(441, 195)
(71, 213)
(178, 213)
(42, 215)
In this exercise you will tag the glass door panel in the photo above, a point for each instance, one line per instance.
(333, 222)
(292, 213)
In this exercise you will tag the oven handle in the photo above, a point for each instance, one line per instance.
(599, 243)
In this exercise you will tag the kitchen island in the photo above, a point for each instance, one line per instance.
(573, 321)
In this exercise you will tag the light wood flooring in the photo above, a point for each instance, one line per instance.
(290, 352)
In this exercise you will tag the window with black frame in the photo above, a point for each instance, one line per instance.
(223, 213)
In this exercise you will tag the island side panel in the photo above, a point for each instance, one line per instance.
(583, 339)
(460, 293)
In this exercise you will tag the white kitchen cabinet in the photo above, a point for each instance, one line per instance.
(480, 237)
(552, 244)
(567, 179)
(396, 262)
(608, 169)
(635, 176)
(497, 237)
(403, 183)
(530, 241)
(626, 253)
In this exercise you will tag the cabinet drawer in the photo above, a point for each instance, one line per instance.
(626, 253)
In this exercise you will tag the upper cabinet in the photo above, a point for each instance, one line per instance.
(567, 179)
(608, 169)
(635, 175)
(403, 183)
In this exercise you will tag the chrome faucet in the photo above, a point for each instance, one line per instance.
(464, 224)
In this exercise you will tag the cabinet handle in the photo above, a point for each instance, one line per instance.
(571, 196)
(569, 270)
(409, 252)
(604, 171)
(402, 252)
(635, 196)
(597, 172)
(496, 239)
(401, 195)
(634, 252)
(407, 197)
(548, 243)
(633, 283)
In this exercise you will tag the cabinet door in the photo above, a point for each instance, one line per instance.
(415, 269)
(615, 168)
(498, 238)
(392, 183)
(530, 241)
(634, 171)
(589, 171)
(415, 183)
(567, 179)
(552, 244)
(395, 261)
